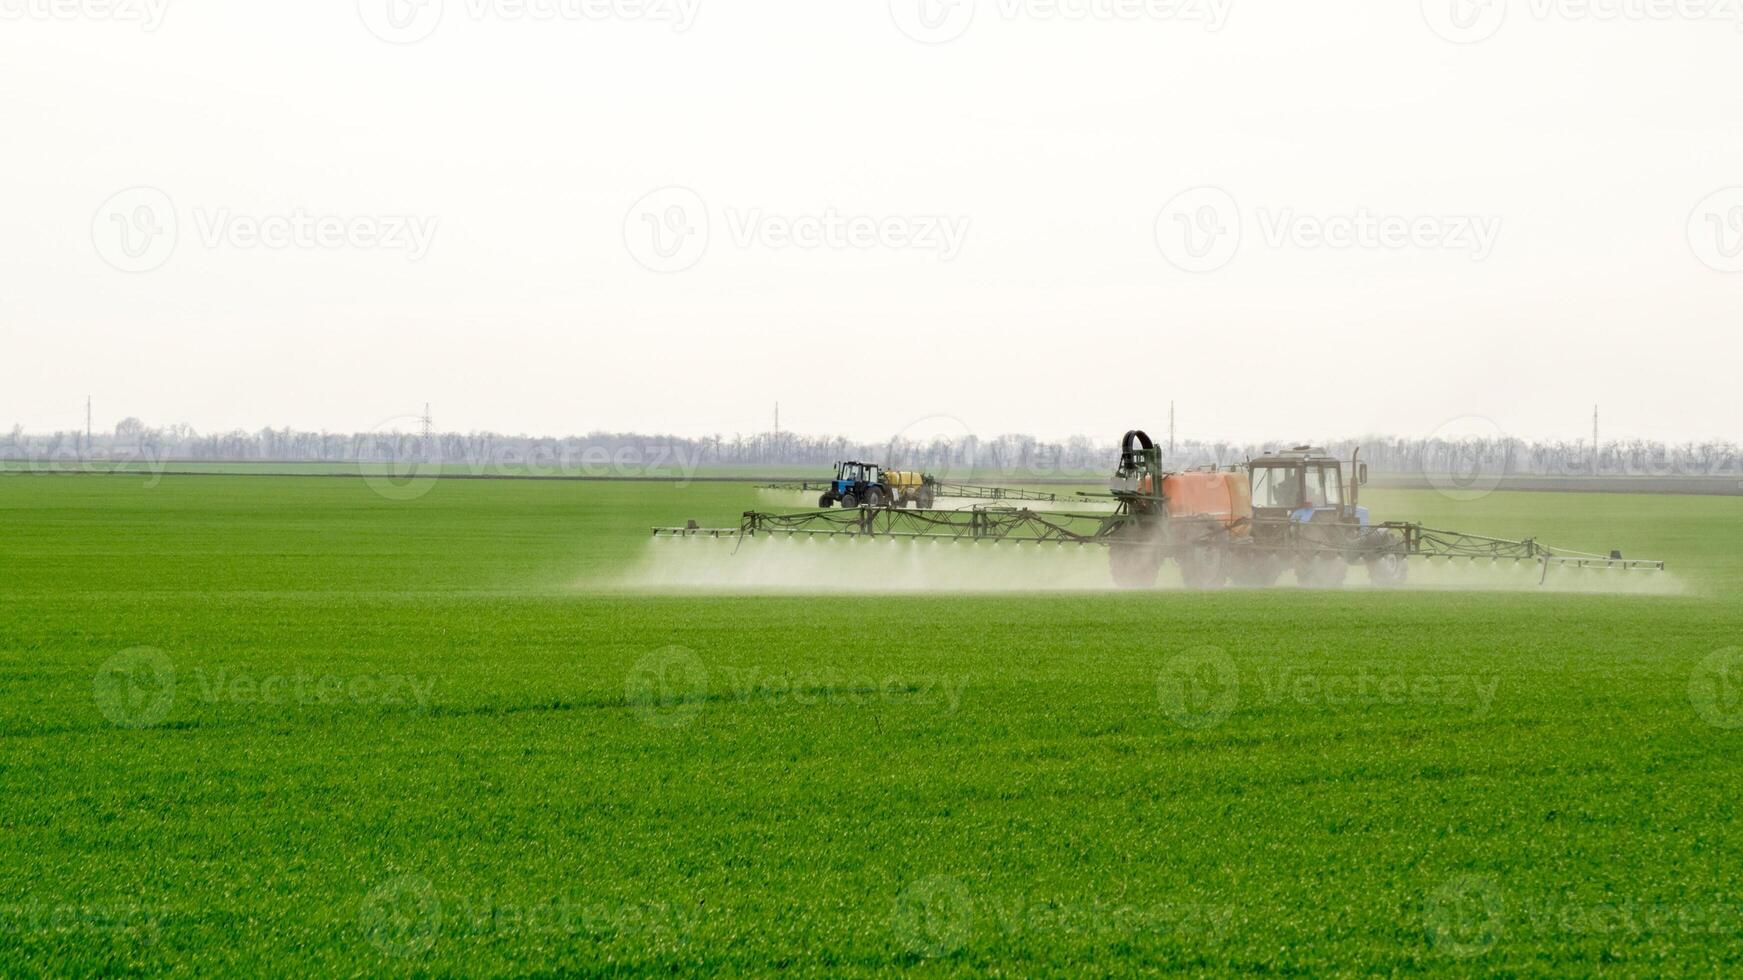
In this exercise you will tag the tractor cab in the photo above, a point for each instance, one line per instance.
(850, 476)
(1305, 484)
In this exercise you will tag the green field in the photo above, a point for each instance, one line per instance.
(280, 726)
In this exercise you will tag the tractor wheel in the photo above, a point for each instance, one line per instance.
(1321, 572)
(1253, 568)
(1134, 556)
(1388, 571)
(1388, 565)
(1205, 566)
(825, 502)
(849, 501)
(875, 497)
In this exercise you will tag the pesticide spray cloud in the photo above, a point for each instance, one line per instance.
(839, 565)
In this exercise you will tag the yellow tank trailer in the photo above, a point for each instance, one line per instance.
(910, 489)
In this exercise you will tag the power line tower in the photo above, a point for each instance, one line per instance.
(1594, 440)
(87, 423)
(428, 426)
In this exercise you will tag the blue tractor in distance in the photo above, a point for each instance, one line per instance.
(856, 485)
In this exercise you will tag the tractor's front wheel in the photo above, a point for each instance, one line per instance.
(849, 501)
(825, 502)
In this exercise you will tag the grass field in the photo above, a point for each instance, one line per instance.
(287, 725)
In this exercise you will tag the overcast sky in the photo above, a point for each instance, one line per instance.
(1294, 220)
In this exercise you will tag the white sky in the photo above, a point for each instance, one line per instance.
(1593, 141)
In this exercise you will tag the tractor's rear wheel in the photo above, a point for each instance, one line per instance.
(1321, 571)
(1205, 566)
(1255, 568)
(1134, 566)
(1134, 555)
(876, 498)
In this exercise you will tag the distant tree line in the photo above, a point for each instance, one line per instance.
(961, 457)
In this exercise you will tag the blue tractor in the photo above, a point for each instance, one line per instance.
(856, 485)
